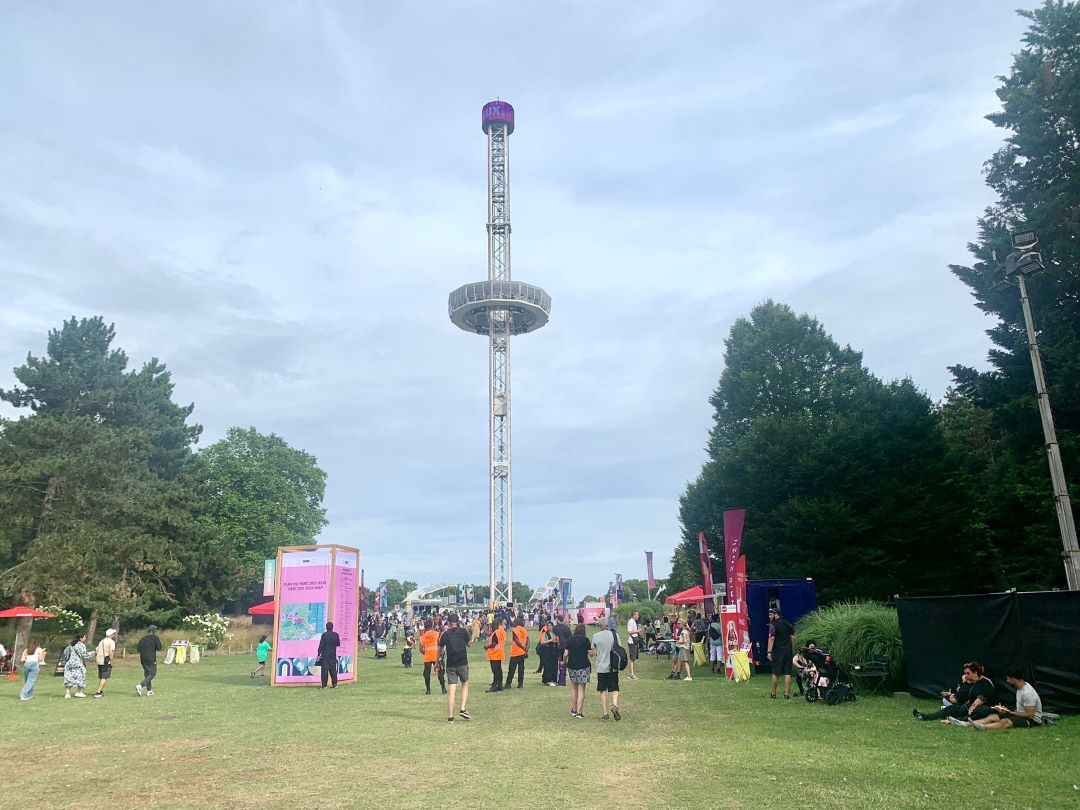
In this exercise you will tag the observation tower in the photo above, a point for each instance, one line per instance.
(498, 309)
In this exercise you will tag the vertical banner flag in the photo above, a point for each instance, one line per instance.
(302, 601)
(381, 593)
(740, 602)
(734, 519)
(564, 593)
(363, 597)
(648, 565)
(706, 564)
(344, 589)
(269, 577)
(618, 585)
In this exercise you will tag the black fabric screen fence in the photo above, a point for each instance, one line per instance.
(1038, 632)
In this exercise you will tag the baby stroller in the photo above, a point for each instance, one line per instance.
(665, 647)
(380, 648)
(827, 679)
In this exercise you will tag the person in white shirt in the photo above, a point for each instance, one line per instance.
(103, 654)
(1028, 712)
(633, 642)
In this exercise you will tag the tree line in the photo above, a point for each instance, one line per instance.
(105, 504)
(869, 486)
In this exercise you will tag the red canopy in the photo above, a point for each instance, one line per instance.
(691, 596)
(265, 609)
(24, 613)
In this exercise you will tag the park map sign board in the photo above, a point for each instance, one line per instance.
(314, 585)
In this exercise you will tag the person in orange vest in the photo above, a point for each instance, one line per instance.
(496, 654)
(519, 651)
(429, 646)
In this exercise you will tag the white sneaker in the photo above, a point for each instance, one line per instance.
(67, 697)
(150, 692)
(688, 678)
(79, 695)
(138, 689)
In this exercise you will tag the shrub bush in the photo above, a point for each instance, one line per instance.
(209, 628)
(857, 631)
(62, 626)
(650, 609)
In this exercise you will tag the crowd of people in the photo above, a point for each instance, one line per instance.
(565, 657)
(73, 660)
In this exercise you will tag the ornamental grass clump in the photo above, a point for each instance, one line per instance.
(853, 632)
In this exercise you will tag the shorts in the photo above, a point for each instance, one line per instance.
(1023, 722)
(104, 671)
(675, 656)
(607, 681)
(781, 663)
(458, 673)
(579, 676)
(716, 654)
(632, 651)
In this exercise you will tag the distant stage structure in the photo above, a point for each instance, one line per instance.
(499, 308)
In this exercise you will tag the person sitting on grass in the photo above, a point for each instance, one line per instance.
(1028, 712)
(969, 701)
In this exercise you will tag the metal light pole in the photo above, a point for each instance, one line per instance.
(1024, 261)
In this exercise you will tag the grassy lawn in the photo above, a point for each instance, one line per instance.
(211, 737)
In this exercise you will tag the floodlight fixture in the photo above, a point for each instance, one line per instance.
(1025, 240)
(1029, 263)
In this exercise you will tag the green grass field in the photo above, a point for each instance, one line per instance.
(212, 737)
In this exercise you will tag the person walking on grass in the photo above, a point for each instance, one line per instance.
(633, 642)
(519, 651)
(716, 645)
(75, 666)
(683, 644)
(32, 658)
(103, 655)
(781, 642)
(454, 642)
(607, 671)
(496, 654)
(149, 647)
(576, 660)
(429, 646)
(327, 655)
(262, 653)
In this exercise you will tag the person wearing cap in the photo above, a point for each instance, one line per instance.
(455, 643)
(149, 647)
(103, 655)
(781, 642)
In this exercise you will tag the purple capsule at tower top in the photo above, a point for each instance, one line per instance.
(498, 112)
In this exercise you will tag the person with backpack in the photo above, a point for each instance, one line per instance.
(610, 658)
(74, 658)
(716, 644)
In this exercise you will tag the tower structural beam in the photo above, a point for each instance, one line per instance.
(499, 309)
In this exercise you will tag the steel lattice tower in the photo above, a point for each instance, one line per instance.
(499, 308)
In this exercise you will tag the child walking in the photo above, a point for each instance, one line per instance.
(262, 652)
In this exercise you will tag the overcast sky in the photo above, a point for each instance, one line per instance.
(275, 198)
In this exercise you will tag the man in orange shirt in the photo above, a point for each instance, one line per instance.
(519, 649)
(496, 653)
(429, 646)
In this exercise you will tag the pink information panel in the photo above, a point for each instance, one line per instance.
(345, 608)
(302, 604)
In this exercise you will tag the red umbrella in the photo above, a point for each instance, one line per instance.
(24, 613)
(265, 609)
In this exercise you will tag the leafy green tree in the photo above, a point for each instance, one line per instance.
(92, 496)
(841, 474)
(993, 416)
(521, 592)
(257, 494)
